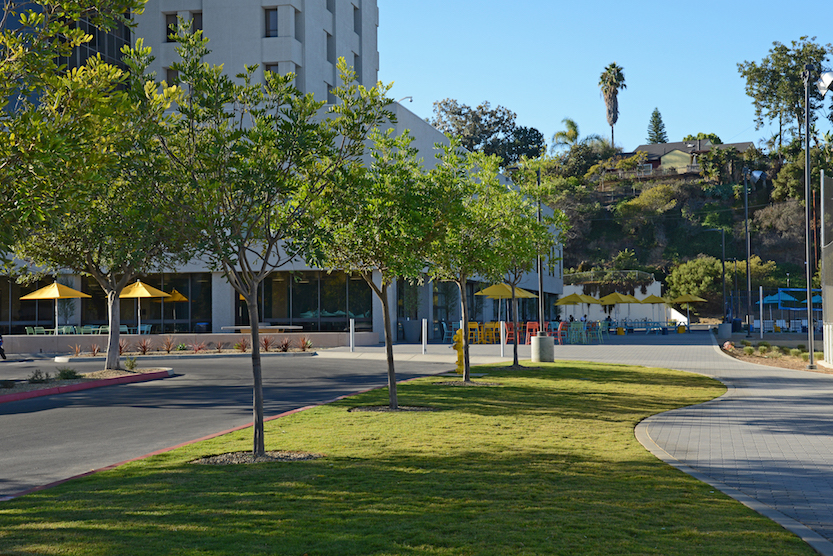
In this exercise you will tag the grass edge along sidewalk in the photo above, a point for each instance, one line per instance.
(542, 461)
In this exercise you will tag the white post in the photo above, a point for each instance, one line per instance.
(502, 338)
(761, 301)
(424, 336)
(352, 335)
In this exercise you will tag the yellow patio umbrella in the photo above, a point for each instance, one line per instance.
(688, 299)
(175, 297)
(504, 291)
(138, 290)
(617, 299)
(654, 300)
(54, 291)
(577, 299)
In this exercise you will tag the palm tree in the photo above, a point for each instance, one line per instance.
(566, 137)
(570, 136)
(611, 80)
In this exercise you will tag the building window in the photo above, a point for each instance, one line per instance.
(270, 67)
(331, 6)
(357, 21)
(196, 21)
(171, 76)
(331, 48)
(171, 24)
(272, 22)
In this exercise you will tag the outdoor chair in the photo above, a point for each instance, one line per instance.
(510, 332)
(560, 333)
(40, 330)
(448, 335)
(30, 331)
(474, 335)
(104, 329)
(531, 330)
(594, 332)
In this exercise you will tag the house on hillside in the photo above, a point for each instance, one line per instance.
(682, 157)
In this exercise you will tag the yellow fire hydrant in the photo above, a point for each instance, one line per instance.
(457, 344)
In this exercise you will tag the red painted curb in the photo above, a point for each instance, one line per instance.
(83, 386)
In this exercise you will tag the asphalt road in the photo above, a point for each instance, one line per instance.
(47, 439)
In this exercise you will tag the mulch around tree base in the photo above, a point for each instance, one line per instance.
(234, 458)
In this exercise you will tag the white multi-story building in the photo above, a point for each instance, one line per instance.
(305, 37)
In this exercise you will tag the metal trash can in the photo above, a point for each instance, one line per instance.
(724, 331)
(737, 326)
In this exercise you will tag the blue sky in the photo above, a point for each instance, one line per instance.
(542, 59)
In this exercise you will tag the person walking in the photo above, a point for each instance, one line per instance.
(2, 352)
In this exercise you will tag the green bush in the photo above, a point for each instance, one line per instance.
(66, 373)
(130, 363)
(795, 352)
(802, 347)
(819, 356)
(805, 356)
(39, 377)
(785, 350)
(763, 344)
(776, 353)
(749, 350)
(745, 343)
(763, 350)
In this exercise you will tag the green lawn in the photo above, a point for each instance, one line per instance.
(544, 463)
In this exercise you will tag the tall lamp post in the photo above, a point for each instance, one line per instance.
(823, 84)
(756, 176)
(723, 261)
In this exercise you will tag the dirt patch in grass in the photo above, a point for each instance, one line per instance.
(235, 458)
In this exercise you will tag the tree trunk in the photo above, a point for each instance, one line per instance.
(382, 294)
(611, 137)
(515, 325)
(461, 284)
(114, 318)
(259, 443)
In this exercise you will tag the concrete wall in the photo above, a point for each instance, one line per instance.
(64, 344)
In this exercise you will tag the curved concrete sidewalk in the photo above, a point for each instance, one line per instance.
(768, 442)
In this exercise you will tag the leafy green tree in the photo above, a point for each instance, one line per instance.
(487, 130)
(647, 207)
(382, 218)
(701, 277)
(251, 160)
(122, 230)
(611, 81)
(776, 86)
(44, 151)
(656, 129)
(713, 138)
(719, 164)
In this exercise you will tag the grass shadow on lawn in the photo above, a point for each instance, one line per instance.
(545, 464)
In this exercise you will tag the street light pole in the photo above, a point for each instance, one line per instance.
(541, 331)
(723, 261)
(748, 249)
(807, 75)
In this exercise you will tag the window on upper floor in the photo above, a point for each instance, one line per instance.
(331, 6)
(270, 67)
(196, 21)
(331, 48)
(271, 22)
(171, 24)
(171, 76)
(357, 21)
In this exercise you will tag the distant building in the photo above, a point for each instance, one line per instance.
(681, 157)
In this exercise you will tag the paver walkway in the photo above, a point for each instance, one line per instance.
(767, 442)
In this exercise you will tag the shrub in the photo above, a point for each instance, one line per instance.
(749, 350)
(197, 347)
(66, 373)
(266, 342)
(776, 353)
(763, 350)
(220, 347)
(76, 349)
(95, 349)
(795, 352)
(284, 344)
(123, 346)
(785, 350)
(745, 343)
(763, 344)
(181, 347)
(242, 345)
(802, 347)
(805, 356)
(39, 377)
(5, 383)
(818, 356)
(304, 343)
(130, 363)
(168, 344)
(144, 346)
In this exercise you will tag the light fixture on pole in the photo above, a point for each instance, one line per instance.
(823, 85)
(756, 176)
(723, 262)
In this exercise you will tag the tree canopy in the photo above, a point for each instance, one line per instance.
(492, 131)
(611, 81)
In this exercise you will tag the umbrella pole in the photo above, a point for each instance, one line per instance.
(56, 316)
(139, 315)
